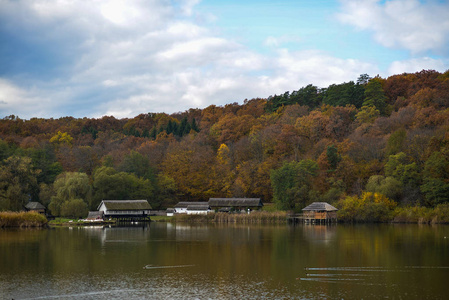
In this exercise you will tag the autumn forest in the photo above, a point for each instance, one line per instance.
(378, 140)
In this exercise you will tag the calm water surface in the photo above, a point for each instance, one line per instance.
(166, 261)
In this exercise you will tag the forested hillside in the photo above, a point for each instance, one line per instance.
(385, 136)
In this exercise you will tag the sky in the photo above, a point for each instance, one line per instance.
(91, 58)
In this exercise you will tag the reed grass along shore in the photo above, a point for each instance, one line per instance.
(22, 219)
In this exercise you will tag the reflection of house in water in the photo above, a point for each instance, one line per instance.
(115, 234)
(192, 232)
(319, 233)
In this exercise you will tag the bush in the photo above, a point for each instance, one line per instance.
(441, 213)
(414, 214)
(369, 207)
(75, 208)
(422, 215)
(22, 219)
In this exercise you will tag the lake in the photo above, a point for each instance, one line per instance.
(216, 261)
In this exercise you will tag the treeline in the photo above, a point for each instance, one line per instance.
(382, 136)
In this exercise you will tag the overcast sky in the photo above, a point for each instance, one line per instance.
(90, 58)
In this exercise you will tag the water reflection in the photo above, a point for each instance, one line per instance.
(214, 261)
(320, 233)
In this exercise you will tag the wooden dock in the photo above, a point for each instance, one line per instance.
(308, 219)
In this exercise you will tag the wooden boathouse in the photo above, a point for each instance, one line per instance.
(319, 213)
(36, 207)
(125, 210)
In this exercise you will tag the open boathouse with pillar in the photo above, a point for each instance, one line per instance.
(125, 210)
(319, 213)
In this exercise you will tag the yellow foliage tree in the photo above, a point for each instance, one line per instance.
(61, 138)
(223, 155)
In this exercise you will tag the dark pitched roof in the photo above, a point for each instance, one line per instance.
(34, 206)
(95, 215)
(185, 204)
(235, 202)
(198, 207)
(320, 206)
(126, 204)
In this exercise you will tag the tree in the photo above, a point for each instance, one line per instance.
(363, 79)
(5, 150)
(18, 183)
(110, 184)
(344, 94)
(309, 95)
(375, 96)
(192, 166)
(367, 114)
(388, 186)
(68, 187)
(436, 191)
(292, 184)
(437, 166)
(61, 138)
(182, 129)
(153, 133)
(75, 208)
(44, 159)
(139, 165)
(165, 192)
(333, 158)
(398, 167)
(396, 141)
(194, 126)
(436, 177)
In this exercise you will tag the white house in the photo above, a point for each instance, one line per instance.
(181, 207)
(202, 209)
(124, 208)
(170, 212)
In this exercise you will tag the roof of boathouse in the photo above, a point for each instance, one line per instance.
(34, 206)
(201, 207)
(235, 202)
(125, 204)
(95, 215)
(186, 204)
(320, 206)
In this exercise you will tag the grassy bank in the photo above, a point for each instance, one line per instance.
(77, 222)
(255, 217)
(422, 215)
(22, 219)
(161, 219)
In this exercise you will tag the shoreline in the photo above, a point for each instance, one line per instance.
(34, 220)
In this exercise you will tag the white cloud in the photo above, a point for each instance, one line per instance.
(417, 64)
(404, 24)
(150, 56)
(319, 68)
(14, 99)
(275, 42)
(221, 84)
